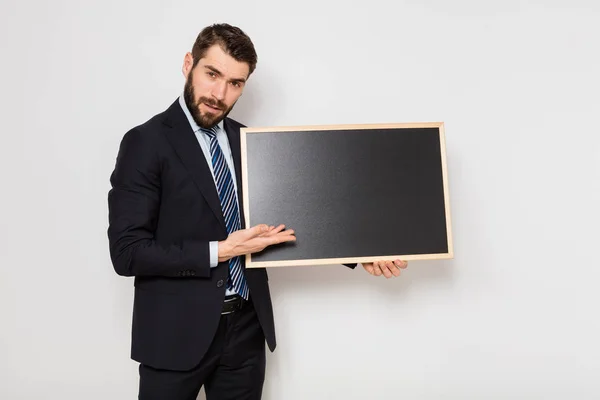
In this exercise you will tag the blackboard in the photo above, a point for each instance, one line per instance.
(352, 193)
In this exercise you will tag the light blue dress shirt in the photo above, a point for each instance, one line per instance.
(204, 142)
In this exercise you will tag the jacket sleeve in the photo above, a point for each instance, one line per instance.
(133, 212)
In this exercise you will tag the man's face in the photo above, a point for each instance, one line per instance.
(213, 86)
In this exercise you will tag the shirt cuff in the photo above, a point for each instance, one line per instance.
(214, 254)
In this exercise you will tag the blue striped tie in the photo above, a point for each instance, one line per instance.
(236, 281)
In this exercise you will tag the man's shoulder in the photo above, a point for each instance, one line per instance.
(157, 121)
(151, 128)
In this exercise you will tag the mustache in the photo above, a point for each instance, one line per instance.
(212, 102)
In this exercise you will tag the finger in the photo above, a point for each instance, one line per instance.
(377, 268)
(286, 236)
(268, 240)
(393, 267)
(386, 268)
(274, 230)
(281, 239)
(393, 270)
(270, 230)
(258, 230)
(369, 268)
(287, 232)
(401, 264)
(280, 231)
(277, 229)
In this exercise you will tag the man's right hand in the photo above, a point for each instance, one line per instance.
(252, 240)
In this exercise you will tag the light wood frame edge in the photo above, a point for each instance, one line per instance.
(322, 261)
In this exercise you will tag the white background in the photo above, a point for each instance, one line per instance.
(513, 315)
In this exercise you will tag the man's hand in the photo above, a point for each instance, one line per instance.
(253, 240)
(385, 268)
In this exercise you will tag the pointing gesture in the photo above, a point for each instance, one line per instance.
(253, 240)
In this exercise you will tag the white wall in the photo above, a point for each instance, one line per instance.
(514, 315)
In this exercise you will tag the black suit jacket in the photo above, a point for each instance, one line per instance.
(163, 211)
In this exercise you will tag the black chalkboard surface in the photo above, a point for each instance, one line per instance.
(352, 193)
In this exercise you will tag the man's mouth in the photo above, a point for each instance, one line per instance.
(212, 108)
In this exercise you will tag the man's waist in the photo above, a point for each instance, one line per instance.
(233, 303)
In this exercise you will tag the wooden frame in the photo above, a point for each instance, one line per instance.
(247, 136)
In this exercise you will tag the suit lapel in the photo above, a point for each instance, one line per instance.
(233, 134)
(182, 138)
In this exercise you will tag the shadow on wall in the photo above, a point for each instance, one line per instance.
(310, 280)
(321, 278)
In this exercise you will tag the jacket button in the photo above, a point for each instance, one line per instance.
(220, 283)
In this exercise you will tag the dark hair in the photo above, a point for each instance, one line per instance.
(232, 40)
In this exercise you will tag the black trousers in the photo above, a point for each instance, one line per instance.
(232, 369)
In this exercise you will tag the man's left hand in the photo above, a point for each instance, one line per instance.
(385, 268)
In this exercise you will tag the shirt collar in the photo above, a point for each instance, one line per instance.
(190, 119)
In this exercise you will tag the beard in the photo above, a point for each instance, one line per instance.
(206, 120)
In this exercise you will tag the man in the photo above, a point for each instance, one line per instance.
(176, 225)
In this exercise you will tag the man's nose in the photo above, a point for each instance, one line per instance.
(219, 90)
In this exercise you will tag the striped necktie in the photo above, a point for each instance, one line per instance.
(226, 189)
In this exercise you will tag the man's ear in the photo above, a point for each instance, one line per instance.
(188, 63)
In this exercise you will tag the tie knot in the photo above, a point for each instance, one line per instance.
(211, 132)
